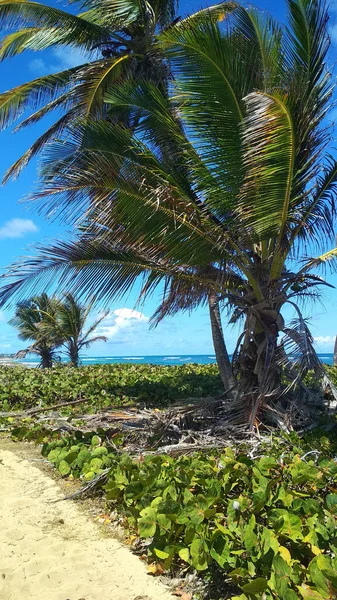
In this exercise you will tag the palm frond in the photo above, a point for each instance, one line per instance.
(22, 13)
(53, 131)
(305, 48)
(90, 269)
(94, 326)
(97, 338)
(31, 94)
(327, 257)
(205, 84)
(15, 43)
(268, 157)
(319, 212)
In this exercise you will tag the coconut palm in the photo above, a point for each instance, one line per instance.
(122, 34)
(116, 39)
(71, 320)
(33, 319)
(236, 206)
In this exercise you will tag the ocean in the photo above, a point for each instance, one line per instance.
(201, 359)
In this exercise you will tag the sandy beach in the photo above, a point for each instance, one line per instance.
(52, 551)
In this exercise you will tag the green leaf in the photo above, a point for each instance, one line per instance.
(256, 586)
(161, 554)
(147, 523)
(281, 573)
(184, 554)
(54, 454)
(64, 468)
(100, 451)
(250, 539)
(199, 554)
(164, 522)
(307, 593)
(290, 595)
(331, 501)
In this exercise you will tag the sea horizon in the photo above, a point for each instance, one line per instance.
(155, 359)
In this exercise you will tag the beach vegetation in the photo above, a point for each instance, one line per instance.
(225, 186)
(106, 385)
(34, 319)
(258, 524)
(55, 326)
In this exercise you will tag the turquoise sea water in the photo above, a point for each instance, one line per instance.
(201, 359)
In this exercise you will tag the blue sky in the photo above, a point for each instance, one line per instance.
(127, 329)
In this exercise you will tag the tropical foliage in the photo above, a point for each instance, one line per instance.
(35, 320)
(105, 385)
(115, 41)
(71, 320)
(261, 527)
(55, 324)
(223, 186)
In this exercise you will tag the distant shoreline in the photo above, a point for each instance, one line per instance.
(158, 359)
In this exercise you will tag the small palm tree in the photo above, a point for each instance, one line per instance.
(34, 319)
(71, 319)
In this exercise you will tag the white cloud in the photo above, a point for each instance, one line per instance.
(67, 58)
(37, 65)
(60, 60)
(327, 339)
(121, 319)
(17, 228)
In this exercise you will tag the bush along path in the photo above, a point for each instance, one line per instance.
(257, 518)
(265, 525)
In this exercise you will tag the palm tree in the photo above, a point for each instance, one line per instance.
(71, 319)
(236, 209)
(123, 34)
(117, 42)
(33, 319)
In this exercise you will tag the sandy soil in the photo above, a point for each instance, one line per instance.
(52, 551)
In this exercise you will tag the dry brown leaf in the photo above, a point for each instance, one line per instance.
(156, 569)
(182, 595)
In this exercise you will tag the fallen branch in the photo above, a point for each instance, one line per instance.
(33, 411)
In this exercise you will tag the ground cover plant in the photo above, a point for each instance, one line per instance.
(255, 520)
(264, 525)
(105, 385)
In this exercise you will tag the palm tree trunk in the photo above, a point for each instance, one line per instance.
(335, 353)
(220, 349)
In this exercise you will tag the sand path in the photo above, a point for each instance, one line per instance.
(52, 551)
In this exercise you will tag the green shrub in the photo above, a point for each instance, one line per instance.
(268, 524)
(106, 385)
